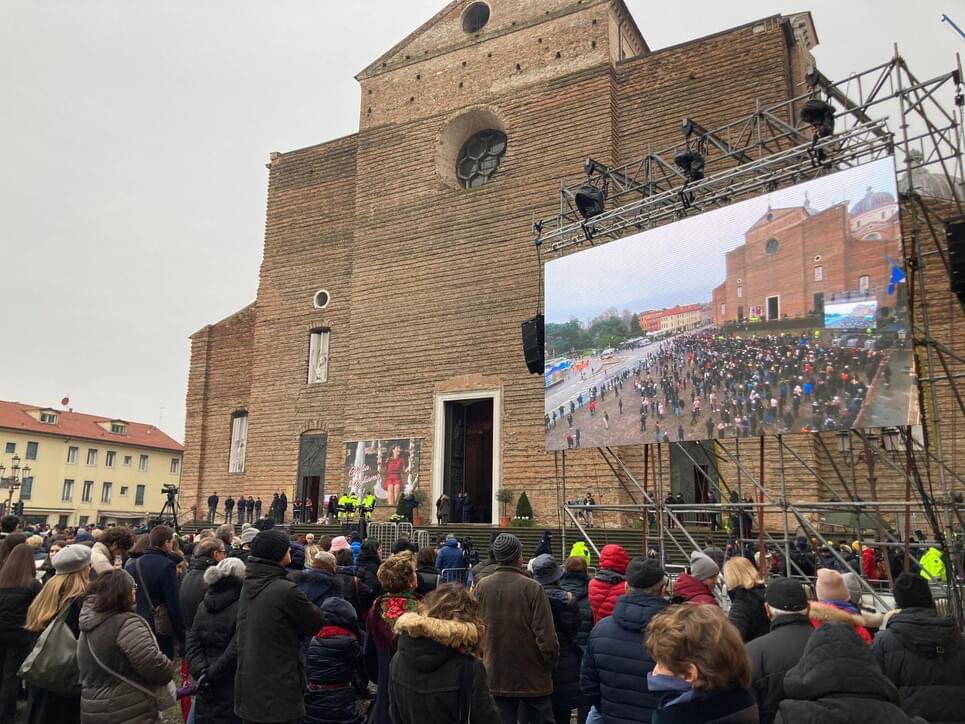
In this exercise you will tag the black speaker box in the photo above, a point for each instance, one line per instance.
(533, 344)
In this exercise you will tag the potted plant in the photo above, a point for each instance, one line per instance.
(399, 515)
(524, 512)
(418, 517)
(505, 496)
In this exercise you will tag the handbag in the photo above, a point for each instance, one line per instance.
(162, 619)
(164, 695)
(52, 664)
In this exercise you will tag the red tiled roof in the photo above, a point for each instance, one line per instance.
(15, 416)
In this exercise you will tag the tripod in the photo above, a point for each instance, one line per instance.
(170, 509)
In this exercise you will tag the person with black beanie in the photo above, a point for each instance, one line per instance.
(273, 618)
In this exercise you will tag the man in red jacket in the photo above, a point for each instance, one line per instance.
(698, 585)
(608, 584)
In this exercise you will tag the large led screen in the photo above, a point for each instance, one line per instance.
(782, 313)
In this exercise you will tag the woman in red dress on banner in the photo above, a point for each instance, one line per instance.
(392, 476)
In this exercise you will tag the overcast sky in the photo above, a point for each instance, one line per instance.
(136, 132)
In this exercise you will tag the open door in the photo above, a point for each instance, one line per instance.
(468, 458)
(311, 469)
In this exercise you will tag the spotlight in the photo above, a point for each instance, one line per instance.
(691, 163)
(820, 116)
(590, 201)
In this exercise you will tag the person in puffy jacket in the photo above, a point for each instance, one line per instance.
(747, 591)
(545, 544)
(834, 604)
(354, 589)
(319, 583)
(575, 581)
(450, 555)
(698, 585)
(837, 680)
(437, 674)
(211, 648)
(334, 667)
(923, 654)
(122, 641)
(608, 584)
(566, 622)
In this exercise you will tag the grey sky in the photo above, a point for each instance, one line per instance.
(132, 190)
(681, 263)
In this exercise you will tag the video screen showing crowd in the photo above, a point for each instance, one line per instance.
(779, 314)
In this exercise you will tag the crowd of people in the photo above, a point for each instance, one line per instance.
(272, 627)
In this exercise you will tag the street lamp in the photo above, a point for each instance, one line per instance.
(13, 481)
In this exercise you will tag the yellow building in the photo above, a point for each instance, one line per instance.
(84, 468)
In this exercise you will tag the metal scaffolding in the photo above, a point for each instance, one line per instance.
(879, 111)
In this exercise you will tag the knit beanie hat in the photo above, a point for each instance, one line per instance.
(506, 548)
(702, 566)
(831, 586)
(270, 545)
(853, 583)
(912, 591)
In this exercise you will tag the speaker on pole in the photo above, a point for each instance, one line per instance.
(955, 231)
(533, 344)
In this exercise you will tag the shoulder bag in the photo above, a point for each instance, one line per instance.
(164, 695)
(162, 619)
(52, 664)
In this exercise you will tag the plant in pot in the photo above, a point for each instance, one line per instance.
(505, 497)
(418, 515)
(524, 512)
(399, 515)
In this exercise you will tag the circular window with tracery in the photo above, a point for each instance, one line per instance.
(480, 157)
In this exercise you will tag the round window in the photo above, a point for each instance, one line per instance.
(475, 17)
(772, 246)
(480, 157)
(322, 299)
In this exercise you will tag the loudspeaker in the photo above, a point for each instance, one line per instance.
(955, 230)
(533, 344)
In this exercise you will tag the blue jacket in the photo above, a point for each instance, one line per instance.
(317, 585)
(613, 676)
(161, 581)
(450, 556)
(356, 549)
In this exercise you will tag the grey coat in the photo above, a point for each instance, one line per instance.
(124, 642)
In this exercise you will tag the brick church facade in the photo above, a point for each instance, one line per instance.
(390, 295)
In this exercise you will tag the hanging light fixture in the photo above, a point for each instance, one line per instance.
(691, 162)
(820, 116)
(590, 200)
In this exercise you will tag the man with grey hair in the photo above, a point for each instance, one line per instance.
(319, 583)
(774, 654)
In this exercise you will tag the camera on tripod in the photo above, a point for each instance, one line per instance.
(170, 490)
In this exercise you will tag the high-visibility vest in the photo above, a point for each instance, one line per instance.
(581, 550)
(932, 565)
(369, 504)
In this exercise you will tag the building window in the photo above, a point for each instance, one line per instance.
(48, 418)
(142, 463)
(72, 453)
(740, 291)
(864, 282)
(318, 348)
(127, 461)
(873, 236)
(819, 273)
(82, 521)
(88, 491)
(31, 451)
(772, 246)
(11, 448)
(480, 157)
(118, 428)
(175, 466)
(239, 440)
(123, 491)
(475, 17)
(62, 520)
(321, 299)
(139, 495)
(110, 459)
(26, 487)
(722, 308)
(106, 492)
(67, 493)
(91, 456)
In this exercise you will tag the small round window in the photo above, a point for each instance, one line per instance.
(475, 17)
(480, 157)
(772, 246)
(322, 298)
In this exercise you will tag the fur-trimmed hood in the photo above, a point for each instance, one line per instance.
(828, 613)
(454, 634)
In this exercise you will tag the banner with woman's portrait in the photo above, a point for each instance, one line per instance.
(388, 468)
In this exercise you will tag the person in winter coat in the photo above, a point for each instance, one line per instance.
(701, 668)
(486, 567)
(566, 622)
(273, 618)
(354, 589)
(334, 667)
(923, 654)
(698, 585)
(212, 648)
(521, 647)
(747, 591)
(121, 641)
(113, 543)
(608, 583)
(66, 589)
(581, 549)
(450, 555)
(426, 571)
(443, 509)
(367, 565)
(155, 573)
(834, 604)
(774, 654)
(18, 588)
(838, 681)
(575, 581)
(437, 674)
(207, 553)
(398, 581)
(319, 583)
(615, 664)
(545, 545)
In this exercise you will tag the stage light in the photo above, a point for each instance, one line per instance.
(590, 201)
(691, 163)
(820, 116)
